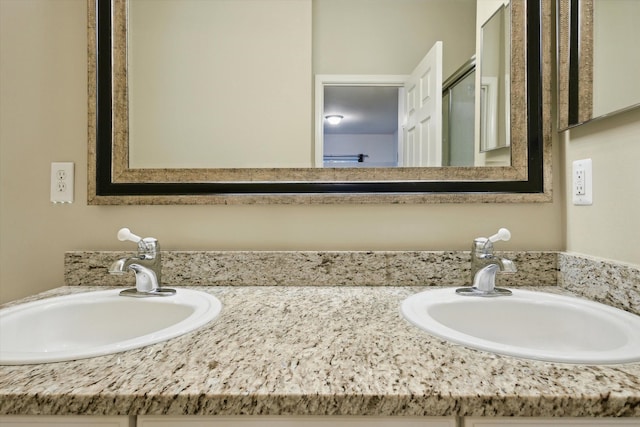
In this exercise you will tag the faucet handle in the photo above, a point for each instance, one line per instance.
(125, 234)
(502, 234)
(484, 245)
(147, 245)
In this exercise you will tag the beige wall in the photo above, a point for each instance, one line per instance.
(43, 118)
(244, 82)
(610, 228)
(391, 37)
(616, 57)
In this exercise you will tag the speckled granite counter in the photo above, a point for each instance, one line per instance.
(315, 351)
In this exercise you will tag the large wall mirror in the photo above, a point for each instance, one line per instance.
(598, 59)
(221, 101)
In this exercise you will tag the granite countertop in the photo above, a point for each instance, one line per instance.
(280, 350)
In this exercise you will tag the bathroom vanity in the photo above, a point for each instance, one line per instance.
(312, 353)
(289, 421)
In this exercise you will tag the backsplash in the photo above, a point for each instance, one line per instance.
(258, 268)
(605, 281)
(601, 280)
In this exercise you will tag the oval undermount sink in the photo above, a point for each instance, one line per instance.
(89, 324)
(533, 325)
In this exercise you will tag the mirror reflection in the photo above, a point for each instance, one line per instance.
(226, 84)
(598, 59)
(616, 56)
(494, 82)
(458, 114)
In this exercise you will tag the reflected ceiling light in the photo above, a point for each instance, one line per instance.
(334, 119)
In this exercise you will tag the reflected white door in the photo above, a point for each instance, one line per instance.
(422, 145)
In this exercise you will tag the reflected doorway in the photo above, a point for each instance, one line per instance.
(361, 126)
(389, 89)
(405, 110)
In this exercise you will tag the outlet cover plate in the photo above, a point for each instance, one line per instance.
(581, 183)
(62, 182)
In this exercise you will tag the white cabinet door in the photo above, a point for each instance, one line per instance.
(549, 422)
(64, 421)
(283, 421)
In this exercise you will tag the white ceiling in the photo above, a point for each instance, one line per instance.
(366, 109)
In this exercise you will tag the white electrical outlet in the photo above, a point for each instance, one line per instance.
(582, 188)
(62, 182)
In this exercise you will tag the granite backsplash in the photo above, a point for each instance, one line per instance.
(606, 281)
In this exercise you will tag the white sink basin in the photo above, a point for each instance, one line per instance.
(90, 324)
(533, 325)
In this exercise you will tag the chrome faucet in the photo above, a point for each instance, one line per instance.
(485, 265)
(146, 265)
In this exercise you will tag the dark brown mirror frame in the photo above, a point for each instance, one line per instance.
(112, 182)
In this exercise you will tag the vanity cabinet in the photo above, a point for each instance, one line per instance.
(356, 421)
(307, 421)
(65, 421)
(296, 421)
(549, 422)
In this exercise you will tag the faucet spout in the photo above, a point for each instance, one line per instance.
(121, 266)
(507, 266)
(485, 278)
(146, 271)
(146, 279)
